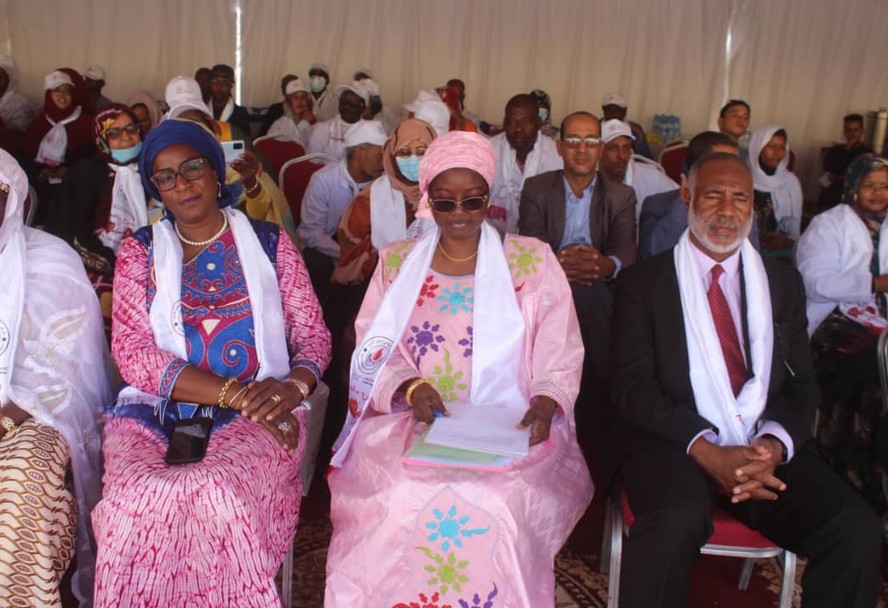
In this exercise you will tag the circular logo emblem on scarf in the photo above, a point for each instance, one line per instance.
(4, 337)
(373, 354)
(176, 318)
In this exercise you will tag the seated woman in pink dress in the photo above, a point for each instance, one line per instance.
(458, 315)
(214, 317)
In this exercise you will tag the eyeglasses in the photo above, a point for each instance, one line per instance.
(191, 169)
(574, 142)
(871, 187)
(446, 205)
(407, 152)
(116, 132)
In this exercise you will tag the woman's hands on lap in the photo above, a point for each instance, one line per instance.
(285, 430)
(539, 418)
(427, 401)
(260, 404)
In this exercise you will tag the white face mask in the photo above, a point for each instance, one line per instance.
(317, 84)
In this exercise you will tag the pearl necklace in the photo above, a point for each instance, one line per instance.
(206, 242)
(453, 259)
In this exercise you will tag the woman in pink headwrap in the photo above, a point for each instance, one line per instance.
(456, 320)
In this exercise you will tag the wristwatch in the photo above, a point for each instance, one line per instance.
(9, 424)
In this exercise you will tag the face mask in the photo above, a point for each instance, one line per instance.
(409, 167)
(544, 114)
(124, 156)
(317, 83)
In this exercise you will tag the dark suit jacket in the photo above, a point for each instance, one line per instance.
(651, 376)
(664, 219)
(611, 217)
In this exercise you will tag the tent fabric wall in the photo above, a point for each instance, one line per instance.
(800, 63)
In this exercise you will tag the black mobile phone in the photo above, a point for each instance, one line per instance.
(189, 440)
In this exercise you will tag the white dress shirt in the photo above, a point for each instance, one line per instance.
(329, 193)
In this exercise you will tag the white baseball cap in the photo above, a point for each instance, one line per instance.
(612, 129)
(614, 99)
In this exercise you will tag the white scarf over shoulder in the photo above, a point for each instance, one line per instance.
(129, 207)
(784, 186)
(736, 418)
(388, 216)
(54, 144)
(54, 361)
(498, 345)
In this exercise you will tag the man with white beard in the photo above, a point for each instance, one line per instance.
(715, 396)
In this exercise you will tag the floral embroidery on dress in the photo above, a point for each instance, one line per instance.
(523, 262)
(451, 528)
(429, 290)
(446, 571)
(476, 600)
(467, 342)
(424, 339)
(457, 299)
(395, 259)
(446, 381)
(425, 601)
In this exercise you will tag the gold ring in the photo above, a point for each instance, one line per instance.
(275, 398)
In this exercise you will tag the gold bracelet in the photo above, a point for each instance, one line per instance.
(224, 390)
(9, 425)
(240, 394)
(251, 192)
(408, 394)
(301, 386)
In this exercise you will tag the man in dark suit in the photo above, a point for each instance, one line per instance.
(664, 217)
(715, 392)
(590, 224)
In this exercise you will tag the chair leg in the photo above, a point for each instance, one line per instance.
(787, 588)
(745, 573)
(616, 552)
(604, 559)
(287, 579)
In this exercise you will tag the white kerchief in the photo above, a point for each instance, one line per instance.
(129, 207)
(55, 143)
(388, 216)
(510, 179)
(784, 186)
(498, 344)
(227, 111)
(262, 285)
(736, 418)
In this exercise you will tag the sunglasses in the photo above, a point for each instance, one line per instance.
(116, 132)
(446, 205)
(574, 142)
(192, 169)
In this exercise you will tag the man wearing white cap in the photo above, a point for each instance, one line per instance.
(277, 109)
(521, 152)
(617, 164)
(328, 137)
(16, 110)
(427, 106)
(329, 193)
(614, 107)
(295, 125)
(325, 103)
(94, 80)
(376, 110)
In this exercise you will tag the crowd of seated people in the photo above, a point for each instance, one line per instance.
(673, 338)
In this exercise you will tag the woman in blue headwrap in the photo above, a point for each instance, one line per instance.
(213, 318)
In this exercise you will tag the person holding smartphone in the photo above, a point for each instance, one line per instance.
(214, 318)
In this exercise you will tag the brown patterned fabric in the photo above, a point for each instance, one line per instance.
(37, 516)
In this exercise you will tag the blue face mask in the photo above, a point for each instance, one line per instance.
(124, 156)
(409, 167)
(544, 114)
(317, 84)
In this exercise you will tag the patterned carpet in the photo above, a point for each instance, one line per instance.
(579, 584)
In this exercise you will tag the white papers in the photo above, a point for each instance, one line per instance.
(482, 429)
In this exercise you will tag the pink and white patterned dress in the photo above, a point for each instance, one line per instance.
(407, 536)
(212, 533)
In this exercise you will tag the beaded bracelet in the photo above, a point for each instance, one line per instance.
(408, 394)
(224, 390)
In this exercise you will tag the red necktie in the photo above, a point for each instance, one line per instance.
(727, 332)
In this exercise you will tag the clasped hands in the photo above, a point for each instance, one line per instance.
(426, 402)
(742, 472)
(584, 264)
(269, 402)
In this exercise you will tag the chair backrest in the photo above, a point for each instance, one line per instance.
(277, 152)
(673, 157)
(294, 178)
(30, 207)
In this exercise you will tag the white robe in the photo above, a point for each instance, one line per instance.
(834, 256)
(646, 180)
(286, 129)
(505, 193)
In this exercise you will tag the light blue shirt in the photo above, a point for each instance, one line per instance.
(576, 216)
(328, 195)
